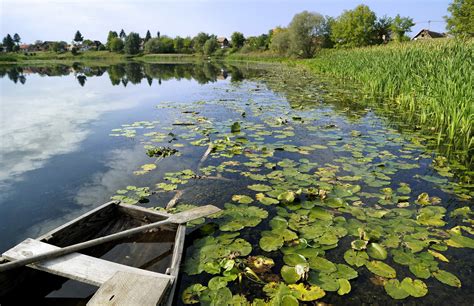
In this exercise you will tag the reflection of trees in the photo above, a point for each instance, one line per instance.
(133, 73)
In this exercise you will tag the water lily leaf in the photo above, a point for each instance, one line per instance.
(234, 218)
(381, 269)
(259, 187)
(278, 223)
(235, 127)
(271, 242)
(458, 240)
(344, 286)
(404, 189)
(217, 282)
(438, 255)
(294, 259)
(420, 270)
(377, 251)
(222, 296)
(192, 293)
(447, 278)
(286, 197)
(404, 258)
(266, 200)
(394, 289)
(307, 293)
(326, 281)
(415, 288)
(289, 300)
(345, 272)
(359, 244)
(322, 264)
(290, 274)
(321, 214)
(356, 258)
(242, 199)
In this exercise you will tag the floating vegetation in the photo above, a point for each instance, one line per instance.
(319, 195)
(161, 152)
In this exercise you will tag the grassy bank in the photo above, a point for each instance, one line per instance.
(428, 83)
(104, 57)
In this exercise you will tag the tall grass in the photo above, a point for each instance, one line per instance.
(429, 82)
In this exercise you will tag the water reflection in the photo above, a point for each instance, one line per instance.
(131, 72)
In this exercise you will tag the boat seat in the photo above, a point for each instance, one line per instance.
(75, 266)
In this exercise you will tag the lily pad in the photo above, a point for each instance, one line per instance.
(307, 293)
(395, 290)
(447, 278)
(415, 288)
(381, 269)
(344, 286)
(356, 258)
(322, 264)
(376, 251)
(290, 274)
(192, 293)
(259, 187)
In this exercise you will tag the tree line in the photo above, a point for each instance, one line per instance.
(305, 34)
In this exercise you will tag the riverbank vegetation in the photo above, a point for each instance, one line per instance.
(430, 83)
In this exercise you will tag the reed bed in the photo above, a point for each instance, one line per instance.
(429, 83)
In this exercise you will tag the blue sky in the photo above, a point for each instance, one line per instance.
(58, 19)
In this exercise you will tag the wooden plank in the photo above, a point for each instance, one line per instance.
(176, 260)
(192, 214)
(87, 269)
(129, 289)
(145, 211)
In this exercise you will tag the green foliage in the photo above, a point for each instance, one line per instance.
(132, 44)
(210, 46)
(116, 44)
(461, 19)
(280, 42)
(199, 40)
(399, 26)
(438, 98)
(354, 28)
(8, 43)
(147, 36)
(238, 40)
(163, 44)
(307, 32)
(110, 37)
(78, 37)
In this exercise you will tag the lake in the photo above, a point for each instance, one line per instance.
(319, 187)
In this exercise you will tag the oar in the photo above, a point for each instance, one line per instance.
(178, 218)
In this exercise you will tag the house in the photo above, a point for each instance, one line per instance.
(427, 34)
(25, 48)
(223, 42)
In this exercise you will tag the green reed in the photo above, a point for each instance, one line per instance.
(428, 83)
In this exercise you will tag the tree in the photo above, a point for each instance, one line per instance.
(178, 44)
(199, 41)
(116, 45)
(307, 33)
(110, 36)
(382, 30)
(55, 47)
(354, 28)
(78, 37)
(132, 43)
(401, 25)
(280, 42)
(238, 40)
(16, 38)
(8, 43)
(164, 44)
(122, 34)
(461, 19)
(210, 46)
(158, 34)
(147, 36)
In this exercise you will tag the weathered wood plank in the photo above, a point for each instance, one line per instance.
(87, 269)
(129, 289)
(193, 214)
(176, 260)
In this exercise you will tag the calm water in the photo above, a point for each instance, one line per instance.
(58, 159)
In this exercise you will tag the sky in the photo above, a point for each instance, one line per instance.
(59, 19)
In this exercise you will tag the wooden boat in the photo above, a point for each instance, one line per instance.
(141, 269)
